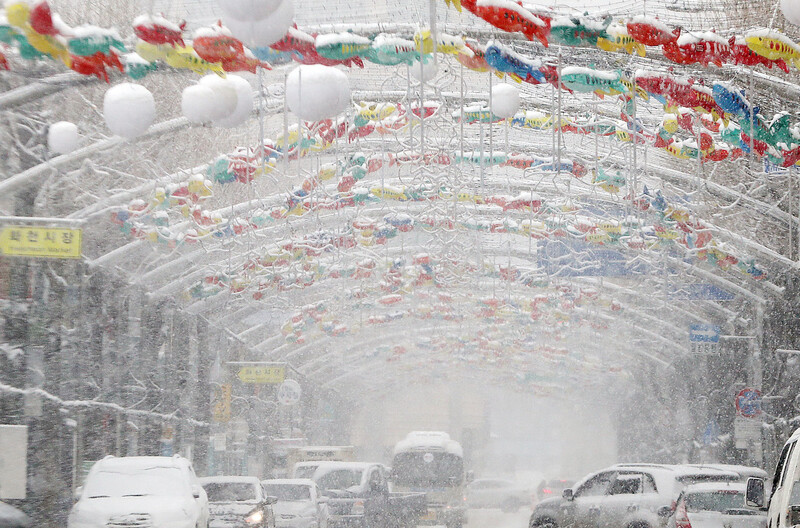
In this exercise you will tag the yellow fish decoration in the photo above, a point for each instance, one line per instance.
(773, 46)
(448, 44)
(620, 39)
(18, 15)
(454, 3)
(181, 57)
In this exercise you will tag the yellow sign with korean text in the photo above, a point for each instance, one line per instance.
(262, 374)
(41, 242)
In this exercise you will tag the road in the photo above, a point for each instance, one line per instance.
(491, 518)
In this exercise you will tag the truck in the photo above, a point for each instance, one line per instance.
(359, 497)
(431, 462)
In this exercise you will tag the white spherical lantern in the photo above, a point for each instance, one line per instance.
(129, 109)
(244, 103)
(249, 9)
(63, 137)
(261, 33)
(198, 103)
(225, 96)
(425, 71)
(505, 100)
(317, 92)
(791, 10)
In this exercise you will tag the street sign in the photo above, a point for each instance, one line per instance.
(711, 433)
(746, 431)
(221, 405)
(13, 461)
(262, 374)
(289, 392)
(703, 333)
(41, 242)
(748, 403)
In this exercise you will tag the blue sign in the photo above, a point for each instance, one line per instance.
(711, 433)
(698, 291)
(703, 333)
(748, 402)
(576, 258)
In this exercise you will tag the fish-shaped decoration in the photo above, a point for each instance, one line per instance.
(511, 16)
(390, 50)
(342, 46)
(519, 67)
(588, 80)
(651, 31)
(579, 31)
(620, 40)
(155, 29)
(773, 46)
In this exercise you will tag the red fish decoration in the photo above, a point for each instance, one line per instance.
(651, 31)
(41, 19)
(96, 64)
(157, 30)
(512, 17)
(743, 55)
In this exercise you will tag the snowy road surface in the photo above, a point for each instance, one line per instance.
(492, 518)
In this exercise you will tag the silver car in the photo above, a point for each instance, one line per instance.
(716, 505)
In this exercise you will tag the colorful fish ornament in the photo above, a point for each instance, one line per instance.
(579, 31)
(390, 50)
(650, 31)
(519, 67)
(620, 40)
(477, 61)
(732, 100)
(136, 67)
(512, 17)
(742, 54)
(445, 43)
(698, 48)
(342, 46)
(588, 80)
(773, 46)
(87, 40)
(157, 30)
(611, 183)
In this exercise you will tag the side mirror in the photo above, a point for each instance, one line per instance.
(755, 492)
(567, 494)
(470, 476)
(269, 500)
(78, 492)
(196, 492)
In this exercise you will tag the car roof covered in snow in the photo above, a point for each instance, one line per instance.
(137, 463)
(294, 482)
(428, 441)
(232, 479)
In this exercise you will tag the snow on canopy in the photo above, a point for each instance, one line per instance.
(381, 256)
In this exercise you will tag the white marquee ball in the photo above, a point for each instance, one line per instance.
(244, 103)
(424, 73)
(316, 92)
(791, 10)
(63, 137)
(225, 96)
(129, 109)
(249, 9)
(505, 100)
(198, 103)
(264, 32)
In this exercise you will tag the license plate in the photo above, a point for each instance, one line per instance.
(430, 516)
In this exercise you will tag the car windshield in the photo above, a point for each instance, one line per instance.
(135, 483)
(230, 491)
(339, 479)
(288, 492)
(427, 469)
(718, 501)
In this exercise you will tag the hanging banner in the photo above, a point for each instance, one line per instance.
(41, 242)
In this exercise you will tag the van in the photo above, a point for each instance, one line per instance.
(783, 502)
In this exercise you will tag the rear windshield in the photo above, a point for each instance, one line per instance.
(230, 491)
(288, 492)
(339, 479)
(718, 501)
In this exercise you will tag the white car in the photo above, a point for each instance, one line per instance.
(716, 505)
(140, 492)
(299, 505)
(497, 493)
(238, 502)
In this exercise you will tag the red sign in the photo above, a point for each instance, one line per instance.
(748, 402)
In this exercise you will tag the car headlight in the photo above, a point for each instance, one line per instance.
(358, 508)
(255, 517)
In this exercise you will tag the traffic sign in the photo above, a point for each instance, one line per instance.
(261, 374)
(748, 402)
(703, 333)
(289, 392)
